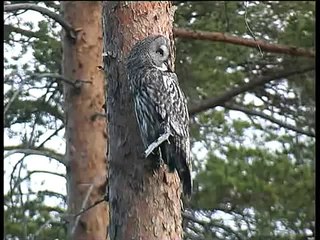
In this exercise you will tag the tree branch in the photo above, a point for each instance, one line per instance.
(20, 180)
(29, 6)
(222, 37)
(54, 76)
(29, 34)
(42, 152)
(14, 96)
(76, 84)
(84, 203)
(157, 143)
(271, 119)
(210, 224)
(48, 138)
(216, 101)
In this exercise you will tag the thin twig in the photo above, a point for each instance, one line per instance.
(91, 206)
(211, 223)
(220, 100)
(84, 203)
(43, 152)
(54, 76)
(20, 161)
(24, 220)
(248, 27)
(14, 96)
(76, 84)
(267, 117)
(42, 227)
(29, 6)
(156, 143)
(48, 138)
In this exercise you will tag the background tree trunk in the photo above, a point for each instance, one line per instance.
(85, 134)
(144, 204)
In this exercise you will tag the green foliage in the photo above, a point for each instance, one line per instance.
(253, 166)
(33, 220)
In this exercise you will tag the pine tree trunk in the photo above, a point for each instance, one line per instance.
(144, 204)
(85, 133)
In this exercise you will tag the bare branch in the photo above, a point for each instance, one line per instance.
(43, 152)
(41, 227)
(14, 96)
(54, 76)
(210, 224)
(271, 119)
(105, 199)
(12, 177)
(33, 172)
(222, 37)
(28, 33)
(29, 6)
(48, 138)
(76, 84)
(157, 143)
(216, 101)
(84, 203)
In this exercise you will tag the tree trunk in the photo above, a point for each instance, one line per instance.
(144, 204)
(85, 133)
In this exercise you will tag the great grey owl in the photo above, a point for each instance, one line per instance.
(160, 105)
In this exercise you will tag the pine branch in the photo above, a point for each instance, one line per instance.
(29, 6)
(43, 152)
(267, 117)
(220, 100)
(210, 224)
(9, 28)
(222, 37)
(76, 84)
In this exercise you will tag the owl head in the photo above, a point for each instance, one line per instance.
(152, 51)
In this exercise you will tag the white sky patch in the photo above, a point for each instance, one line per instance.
(39, 181)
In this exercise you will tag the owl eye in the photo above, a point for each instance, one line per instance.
(163, 51)
(160, 51)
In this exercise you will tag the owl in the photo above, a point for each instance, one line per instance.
(160, 105)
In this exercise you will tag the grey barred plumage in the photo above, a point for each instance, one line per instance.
(160, 105)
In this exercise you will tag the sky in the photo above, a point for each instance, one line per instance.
(39, 181)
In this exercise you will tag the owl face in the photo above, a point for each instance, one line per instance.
(159, 53)
(153, 51)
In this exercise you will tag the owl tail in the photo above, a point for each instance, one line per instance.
(184, 174)
(175, 158)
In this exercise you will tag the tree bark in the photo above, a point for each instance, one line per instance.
(85, 135)
(144, 203)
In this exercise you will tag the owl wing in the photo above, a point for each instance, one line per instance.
(170, 104)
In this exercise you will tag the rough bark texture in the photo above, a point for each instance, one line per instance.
(144, 204)
(85, 135)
